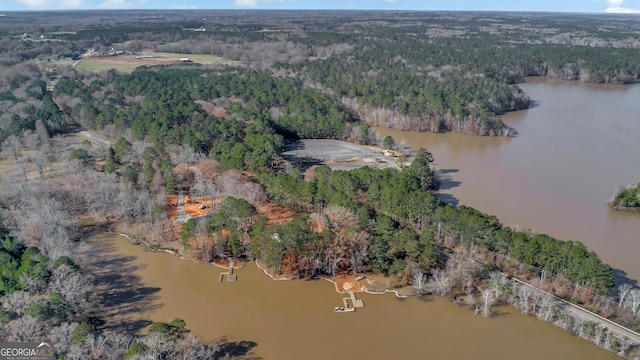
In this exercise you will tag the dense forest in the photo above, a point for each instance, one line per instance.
(219, 133)
(412, 71)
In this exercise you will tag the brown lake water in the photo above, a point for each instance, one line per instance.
(295, 319)
(573, 149)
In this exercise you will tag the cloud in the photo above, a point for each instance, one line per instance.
(622, 10)
(47, 4)
(615, 6)
(391, 1)
(250, 3)
(254, 3)
(122, 4)
(184, 7)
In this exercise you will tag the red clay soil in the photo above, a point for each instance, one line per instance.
(347, 283)
(277, 214)
(190, 207)
(288, 269)
(171, 207)
(237, 264)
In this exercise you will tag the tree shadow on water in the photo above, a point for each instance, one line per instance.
(534, 104)
(621, 278)
(241, 349)
(446, 182)
(448, 199)
(128, 326)
(425, 298)
(121, 290)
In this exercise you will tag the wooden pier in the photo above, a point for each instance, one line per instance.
(355, 303)
(230, 275)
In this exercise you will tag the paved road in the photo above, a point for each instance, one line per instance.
(339, 155)
(580, 312)
(182, 217)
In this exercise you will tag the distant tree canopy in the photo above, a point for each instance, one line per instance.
(415, 71)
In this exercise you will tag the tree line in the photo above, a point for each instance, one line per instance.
(627, 198)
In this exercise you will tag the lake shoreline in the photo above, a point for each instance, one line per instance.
(461, 303)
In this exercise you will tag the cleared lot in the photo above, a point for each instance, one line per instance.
(336, 154)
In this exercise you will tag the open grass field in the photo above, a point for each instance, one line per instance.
(128, 63)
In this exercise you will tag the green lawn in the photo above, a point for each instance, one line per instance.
(120, 64)
(196, 58)
(97, 65)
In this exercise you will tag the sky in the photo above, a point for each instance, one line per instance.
(582, 6)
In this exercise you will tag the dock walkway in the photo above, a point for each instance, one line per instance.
(230, 275)
(357, 303)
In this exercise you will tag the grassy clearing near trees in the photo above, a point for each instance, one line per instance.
(98, 64)
(204, 59)
(128, 63)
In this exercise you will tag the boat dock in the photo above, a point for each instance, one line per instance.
(355, 303)
(230, 275)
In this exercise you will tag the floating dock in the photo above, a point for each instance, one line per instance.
(355, 303)
(230, 275)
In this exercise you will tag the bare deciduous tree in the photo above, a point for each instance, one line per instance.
(12, 145)
(77, 290)
(419, 280)
(24, 328)
(545, 311)
(498, 283)
(487, 300)
(623, 291)
(60, 335)
(229, 182)
(41, 162)
(17, 301)
(441, 282)
(634, 300)
(524, 293)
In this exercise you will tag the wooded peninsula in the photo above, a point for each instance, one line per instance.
(218, 131)
(627, 198)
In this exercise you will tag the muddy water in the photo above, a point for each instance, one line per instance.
(573, 149)
(295, 319)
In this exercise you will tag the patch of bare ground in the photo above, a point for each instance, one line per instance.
(214, 110)
(277, 214)
(349, 283)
